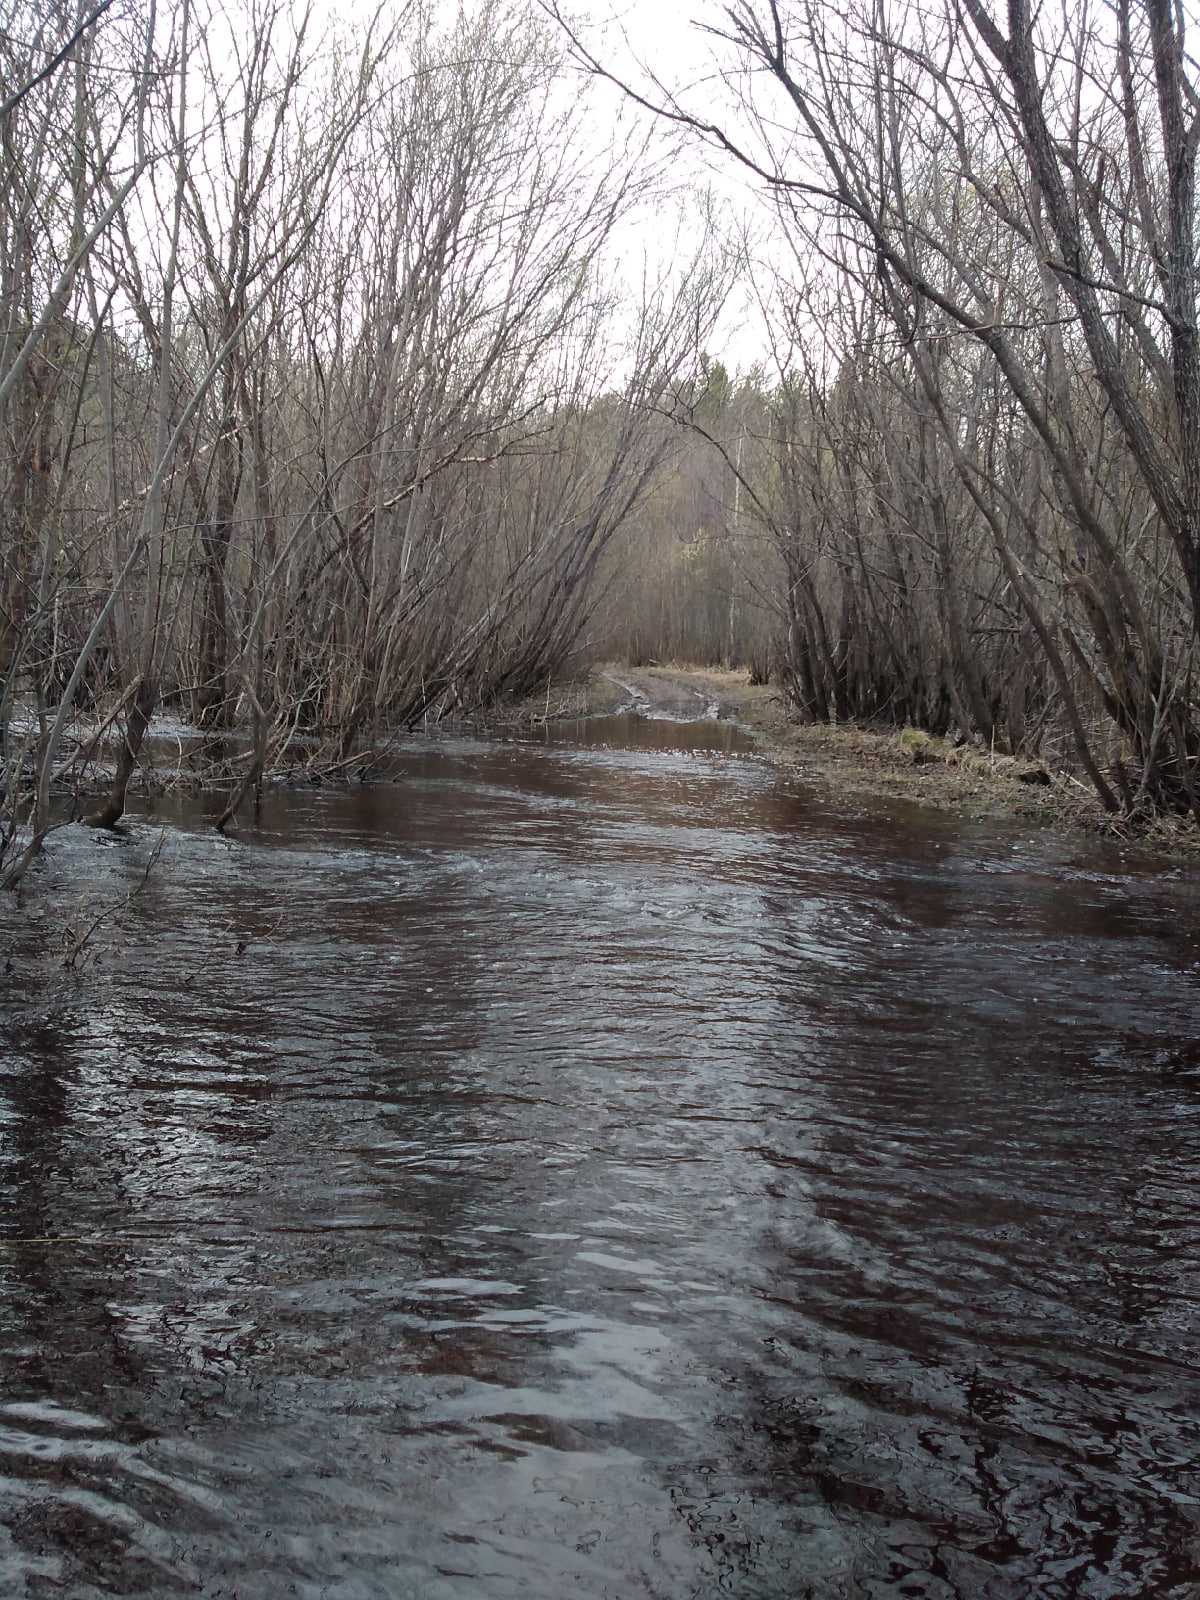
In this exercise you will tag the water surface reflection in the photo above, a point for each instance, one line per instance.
(607, 1172)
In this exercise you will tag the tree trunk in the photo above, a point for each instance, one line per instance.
(136, 724)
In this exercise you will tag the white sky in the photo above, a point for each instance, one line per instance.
(638, 40)
(643, 40)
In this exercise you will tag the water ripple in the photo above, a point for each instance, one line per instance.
(605, 1173)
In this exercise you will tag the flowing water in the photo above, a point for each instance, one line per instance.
(575, 1172)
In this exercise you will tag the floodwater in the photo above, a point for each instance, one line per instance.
(574, 1171)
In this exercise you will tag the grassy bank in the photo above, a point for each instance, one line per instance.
(906, 765)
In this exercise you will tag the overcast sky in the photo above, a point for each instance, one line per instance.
(644, 40)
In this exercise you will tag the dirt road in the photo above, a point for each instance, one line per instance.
(682, 696)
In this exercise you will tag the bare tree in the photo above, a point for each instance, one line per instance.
(325, 395)
(992, 185)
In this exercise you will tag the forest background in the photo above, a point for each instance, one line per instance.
(354, 376)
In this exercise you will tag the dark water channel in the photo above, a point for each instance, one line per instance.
(581, 1172)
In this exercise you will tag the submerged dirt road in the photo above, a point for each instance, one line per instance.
(575, 1170)
(849, 760)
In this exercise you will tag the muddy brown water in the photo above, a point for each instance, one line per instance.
(577, 1172)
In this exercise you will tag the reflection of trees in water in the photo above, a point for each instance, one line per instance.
(829, 1481)
(950, 1404)
(78, 1392)
(545, 1040)
(57, 1263)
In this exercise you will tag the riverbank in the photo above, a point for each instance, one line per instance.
(907, 765)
